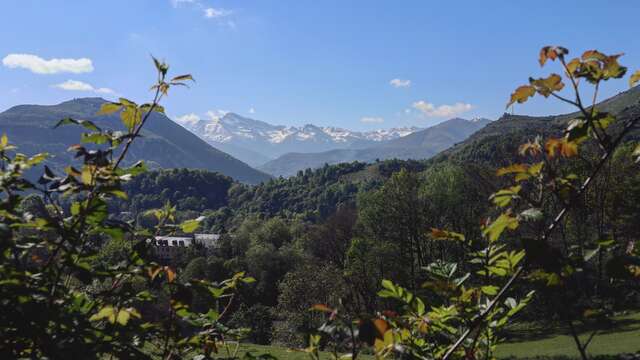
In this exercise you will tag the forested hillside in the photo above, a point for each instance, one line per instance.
(163, 143)
(528, 221)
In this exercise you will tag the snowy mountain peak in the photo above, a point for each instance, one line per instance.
(259, 140)
(225, 128)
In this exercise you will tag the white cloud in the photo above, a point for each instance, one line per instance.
(75, 85)
(398, 83)
(177, 3)
(252, 111)
(104, 90)
(430, 110)
(216, 114)
(39, 65)
(212, 13)
(371, 120)
(187, 119)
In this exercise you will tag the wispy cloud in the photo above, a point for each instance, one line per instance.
(187, 119)
(430, 110)
(213, 13)
(252, 111)
(177, 3)
(38, 65)
(371, 120)
(75, 85)
(399, 83)
(216, 114)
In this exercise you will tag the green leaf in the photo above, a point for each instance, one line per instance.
(84, 123)
(531, 214)
(503, 197)
(4, 141)
(109, 108)
(183, 78)
(495, 229)
(107, 312)
(589, 254)
(95, 138)
(490, 290)
(123, 317)
(130, 117)
(190, 226)
(160, 66)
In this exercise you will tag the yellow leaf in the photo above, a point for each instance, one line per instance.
(634, 78)
(514, 168)
(109, 108)
(4, 140)
(171, 275)
(123, 317)
(562, 147)
(522, 94)
(153, 272)
(87, 174)
(495, 229)
(322, 308)
(130, 117)
(531, 147)
(546, 86)
(107, 312)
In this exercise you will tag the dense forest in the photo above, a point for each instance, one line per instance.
(529, 218)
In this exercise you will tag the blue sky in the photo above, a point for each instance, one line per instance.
(302, 61)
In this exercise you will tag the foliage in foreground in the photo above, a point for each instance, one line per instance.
(468, 311)
(77, 282)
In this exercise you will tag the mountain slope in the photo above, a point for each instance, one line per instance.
(497, 143)
(164, 143)
(257, 142)
(422, 144)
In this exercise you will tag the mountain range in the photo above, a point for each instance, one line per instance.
(257, 142)
(221, 143)
(421, 144)
(164, 144)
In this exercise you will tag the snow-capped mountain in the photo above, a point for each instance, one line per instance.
(256, 142)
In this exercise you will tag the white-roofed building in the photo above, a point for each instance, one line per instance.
(167, 248)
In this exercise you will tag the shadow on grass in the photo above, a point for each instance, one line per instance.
(541, 331)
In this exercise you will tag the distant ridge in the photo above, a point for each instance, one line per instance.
(164, 144)
(421, 144)
(256, 142)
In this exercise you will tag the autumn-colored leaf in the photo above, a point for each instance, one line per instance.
(551, 53)
(593, 55)
(322, 308)
(634, 79)
(381, 326)
(532, 147)
(171, 274)
(563, 147)
(438, 234)
(546, 86)
(153, 272)
(522, 94)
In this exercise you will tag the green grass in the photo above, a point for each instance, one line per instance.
(620, 336)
